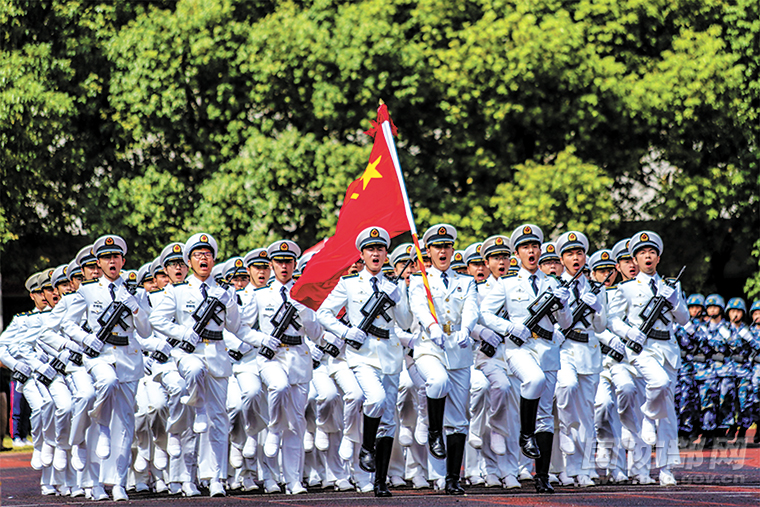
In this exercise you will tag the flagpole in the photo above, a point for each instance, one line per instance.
(410, 218)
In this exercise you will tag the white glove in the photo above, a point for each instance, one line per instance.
(73, 346)
(355, 334)
(244, 348)
(724, 332)
(463, 338)
(563, 294)
(148, 363)
(668, 292)
(23, 369)
(690, 327)
(316, 354)
(222, 295)
(42, 357)
(334, 340)
(130, 302)
(490, 337)
(635, 334)
(617, 345)
(271, 342)
(395, 295)
(63, 355)
(745, 335)
(592, 301)
(191, 337)
(90, 341)
(520, 331)
(436, 336)
(558, 336)
(46, 371)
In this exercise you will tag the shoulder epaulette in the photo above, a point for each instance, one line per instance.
(508, 275)
(481, 282)
(24, 314)
(627, 281)
(612, 287)
(88, 282)
(417, 274)
(350, 276)
(155, 291)
(264, 287)
(178, 284)
(69, 293)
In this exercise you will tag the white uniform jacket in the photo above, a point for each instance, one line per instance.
(587, 357)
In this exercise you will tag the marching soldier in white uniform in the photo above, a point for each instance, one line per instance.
(202, 358)
(532, 353)
(443, 354)
(656, 354)
(580, 363)
(116, 364)
(375, 355)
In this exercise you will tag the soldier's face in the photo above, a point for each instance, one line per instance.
(714, 311)
(573, 260)
(63, 288)
(403, 272)
(259, 274)
(202, 262)
(647, 259)
(355, 267)
(529, 253)
(756, 316)
(91, 272)
(374, 257)
(627, 269)
(176, 271)
(478, 270)
(240, 281)
(735, 315)
(111, 265)
(283, 269)
(51, 296)
(552, 267)
(76, 280)
(695, 311)
(161, 280)
(440, 255)
(498, 264)
(601, 273)
(150, 285)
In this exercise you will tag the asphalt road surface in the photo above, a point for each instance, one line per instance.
(728, 478)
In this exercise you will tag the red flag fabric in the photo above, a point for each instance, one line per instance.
(375, 199)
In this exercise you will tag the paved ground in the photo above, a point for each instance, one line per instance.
(721, 478)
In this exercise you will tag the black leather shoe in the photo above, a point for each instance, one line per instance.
(381, 490)
(366, 460)
(543, 487)
(453, 487)
(529, 446)
(435, 442)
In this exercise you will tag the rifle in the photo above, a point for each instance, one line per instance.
(582, 310)
(485, 347)
(208, 310)
(377, 305)
(652, 312)
(543, 306)
(284, 317)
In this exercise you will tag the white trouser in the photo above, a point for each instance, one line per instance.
(607, 423)
(353, 398)
(82, 397)
(380, 396)
(535, 384)
(122, 426)
(454, 385)
(503, 414)
(327, 411)
(61, 396)
(575, 395)
(42, 409)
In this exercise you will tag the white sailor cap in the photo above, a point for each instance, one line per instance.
(32, 283)
(440, 234)
(472, 253)
(620, 250)
(601, 259)
(156, 268)
(548, 252)
(372, 236)
(526, 233)
(172, 252)
(73, 269)
(644, 239)
(514, 264)
(85, 256)
(458, 260)
(129, 276)
(46, 278)
(234, 267)
(402, 253)
(196, 241)
(59, 275)
(303, 261)
(497, 244)
(109, 244)
(257, 256)
(387, 268)
(283, 249)
(144, 274)
(571, 240)
(218, 273)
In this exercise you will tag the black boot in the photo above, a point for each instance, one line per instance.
(455, 444)
(383, 449)
(544, 442)
(436, 407)
(367, 452)
(528, 412)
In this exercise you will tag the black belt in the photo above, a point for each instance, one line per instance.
(614, 354)
(291, 340)
(659, 335)
(577, 336)
(543, 333)
(380, 333)
(119, 341)
(207, 334)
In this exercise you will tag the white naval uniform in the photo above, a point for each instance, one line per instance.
(536, 362)
(658, 362)
(577, 380)
(115, 371)
(377, 364)
(206, 370)
(287, 375)
(446, 371)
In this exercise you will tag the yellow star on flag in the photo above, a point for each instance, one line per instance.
(369, 173)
